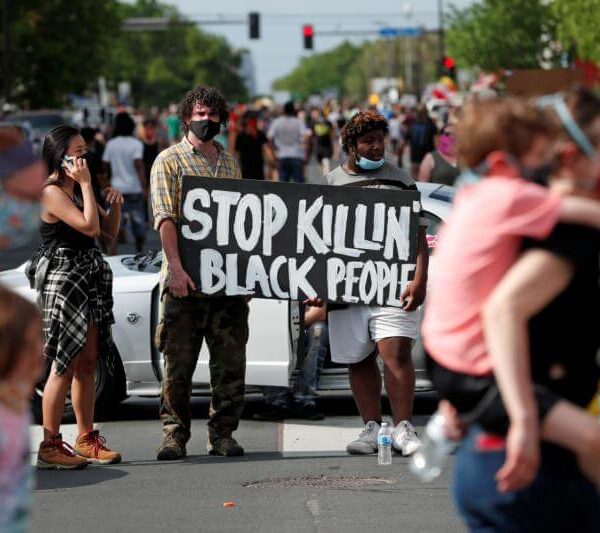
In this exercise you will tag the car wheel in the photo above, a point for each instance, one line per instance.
(110, 391)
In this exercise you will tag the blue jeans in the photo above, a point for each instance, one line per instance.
(290, 169)
(560, 498)
(302, 390)
(133, 213)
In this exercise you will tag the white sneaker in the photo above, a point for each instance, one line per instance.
(405, 439)
(367, 440)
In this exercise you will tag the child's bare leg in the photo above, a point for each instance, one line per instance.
(574, 428)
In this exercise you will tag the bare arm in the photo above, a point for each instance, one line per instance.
(426, 168)
(141, 173)
(111, 221)
(179, 281)
(414, 294)
(531, 284)
(577, 210)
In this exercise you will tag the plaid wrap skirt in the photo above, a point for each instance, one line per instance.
(74, 290)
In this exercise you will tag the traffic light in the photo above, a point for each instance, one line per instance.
(308, 33)
(254, 25)
(449, 67)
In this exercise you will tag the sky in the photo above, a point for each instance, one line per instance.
(280, 47)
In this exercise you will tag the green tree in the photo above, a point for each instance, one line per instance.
(57, 47)
(320, 71)
(495, 34)
(163, 65)
(578, 22)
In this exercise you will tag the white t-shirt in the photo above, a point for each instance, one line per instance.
(288, 134)
(120, 153)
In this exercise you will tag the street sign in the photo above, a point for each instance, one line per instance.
(400, 32)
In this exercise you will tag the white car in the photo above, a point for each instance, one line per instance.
(274, 327)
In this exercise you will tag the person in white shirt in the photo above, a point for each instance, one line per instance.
(124, 163)
(288, 134)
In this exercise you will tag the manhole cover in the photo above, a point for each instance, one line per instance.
(322, 482)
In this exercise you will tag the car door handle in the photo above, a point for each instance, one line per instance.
(132, 318)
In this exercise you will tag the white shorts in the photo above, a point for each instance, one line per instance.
(354, 331)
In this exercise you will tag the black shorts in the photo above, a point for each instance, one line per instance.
(478, 399)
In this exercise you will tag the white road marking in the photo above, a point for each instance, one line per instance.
(36, 435)
(328, 437)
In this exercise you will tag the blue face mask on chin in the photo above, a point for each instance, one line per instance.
(368, 164)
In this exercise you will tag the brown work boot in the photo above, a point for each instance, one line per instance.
(172, 448)
(225, 447)
(55, 454)
(92, 447)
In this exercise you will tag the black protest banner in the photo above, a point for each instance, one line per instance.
(293, 241)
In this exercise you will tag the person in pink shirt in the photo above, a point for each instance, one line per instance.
(510, 143)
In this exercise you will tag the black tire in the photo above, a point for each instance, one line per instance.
(110, 391)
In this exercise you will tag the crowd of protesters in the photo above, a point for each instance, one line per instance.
(516, 278)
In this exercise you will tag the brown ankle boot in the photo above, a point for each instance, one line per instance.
(55, 454)
(92, 447)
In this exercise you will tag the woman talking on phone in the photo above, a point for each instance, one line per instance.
(74, 286)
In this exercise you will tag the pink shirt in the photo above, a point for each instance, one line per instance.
(477, 246)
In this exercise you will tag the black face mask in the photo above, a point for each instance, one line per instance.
(540, 174)
(205, 130)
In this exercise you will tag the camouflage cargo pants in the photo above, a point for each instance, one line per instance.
(185, 323)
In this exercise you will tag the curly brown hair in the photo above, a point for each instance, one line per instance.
(361, 123)
(208, 96)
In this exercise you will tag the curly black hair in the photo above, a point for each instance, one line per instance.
(361, 123)
(208, 96)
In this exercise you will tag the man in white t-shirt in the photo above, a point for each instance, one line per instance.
(124, 161)
(289, 136)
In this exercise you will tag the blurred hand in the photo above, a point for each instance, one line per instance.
(413, 296)
(113, 196)
(522, 457)
(78, 171)
(180, 284)
(313, 302)
(455, 428)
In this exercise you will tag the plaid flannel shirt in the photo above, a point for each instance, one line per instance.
(168, 170)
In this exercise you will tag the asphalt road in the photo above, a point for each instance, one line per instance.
(295, 475)
(272, 490)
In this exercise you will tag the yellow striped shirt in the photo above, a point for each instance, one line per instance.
(170, 168)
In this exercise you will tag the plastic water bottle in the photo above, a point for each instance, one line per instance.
(384, 445)
(428, 461)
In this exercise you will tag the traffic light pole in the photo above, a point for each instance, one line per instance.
(441, 36)
(6, 50)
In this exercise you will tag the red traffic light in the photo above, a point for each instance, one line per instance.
(449, 62)
(307, 30)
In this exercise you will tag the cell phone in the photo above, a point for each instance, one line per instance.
(68, 160)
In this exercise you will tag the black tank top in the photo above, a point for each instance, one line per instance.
(62, 235)
(442, 171)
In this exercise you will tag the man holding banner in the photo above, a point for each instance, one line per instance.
(359, 332)
(188, 316)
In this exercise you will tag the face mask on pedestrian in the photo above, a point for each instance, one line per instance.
(446, 144)
(205, 129)
(365, 163)
(540, 174)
